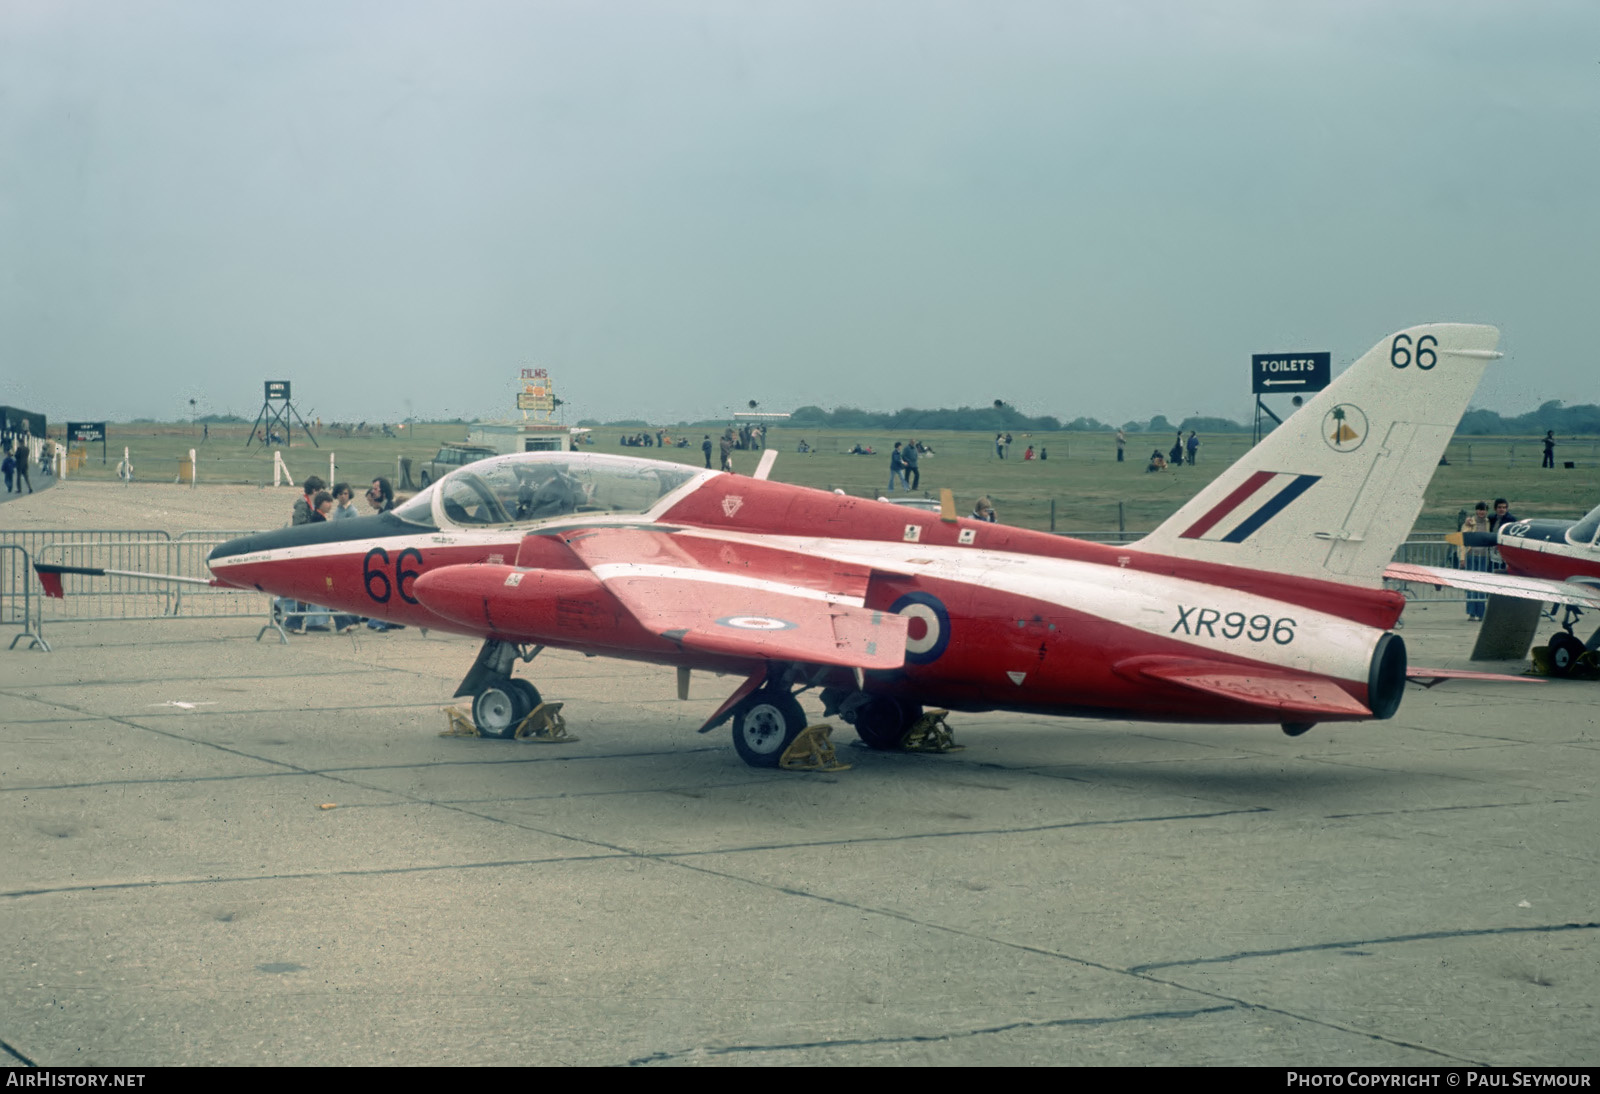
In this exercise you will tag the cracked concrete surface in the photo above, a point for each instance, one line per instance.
(172, 890)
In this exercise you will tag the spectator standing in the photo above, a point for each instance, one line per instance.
(1175, 457)
(318, 619)
(727, 450)
(983, 509)
(1549, 449)
(1477, 558)
(380, 495)
(343, 502)
(1502, 515)
(897, 468)
(297, 612)
(1122, 442)
(1192, 446)
(912, 475)
(1000, 445)
(10, 468)
(305, 506)
(705, 446)
(24, 456)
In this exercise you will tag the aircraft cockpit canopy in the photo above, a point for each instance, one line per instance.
(528, 487)
(1582, 534)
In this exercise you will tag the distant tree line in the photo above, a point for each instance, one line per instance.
(1565, 420)
(1000, 416)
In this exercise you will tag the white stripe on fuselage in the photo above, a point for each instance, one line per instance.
(609, 571)
(1153, 603)
(421, 539)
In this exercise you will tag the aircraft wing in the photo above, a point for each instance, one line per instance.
(736, 608)
(1498, 584)
(1286, 693)
(1429, 678)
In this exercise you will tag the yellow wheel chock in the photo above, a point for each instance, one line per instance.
(812, 751)
(458, 724)
(929, 733)
(545, 725)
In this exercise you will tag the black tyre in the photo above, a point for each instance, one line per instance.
(764, 725)
(882, 722)
(1564, 653)
(498, 707)
(530, 696)
(1295, 729)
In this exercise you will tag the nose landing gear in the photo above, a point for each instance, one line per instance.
(501, 704)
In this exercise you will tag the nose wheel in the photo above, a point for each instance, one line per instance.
(501, 704)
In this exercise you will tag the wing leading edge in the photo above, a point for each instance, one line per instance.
(1499, 584)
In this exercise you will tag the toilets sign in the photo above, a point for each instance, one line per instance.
(1274, 373)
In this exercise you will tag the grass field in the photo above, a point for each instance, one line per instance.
(1088, 489)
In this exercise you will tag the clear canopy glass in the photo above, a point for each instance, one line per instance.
(538, 486)
(1584, 531)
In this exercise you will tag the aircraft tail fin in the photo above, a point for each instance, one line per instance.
(1336, 488)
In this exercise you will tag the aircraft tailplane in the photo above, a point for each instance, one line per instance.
(1334, 490)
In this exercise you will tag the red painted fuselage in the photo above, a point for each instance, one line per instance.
(989, 616)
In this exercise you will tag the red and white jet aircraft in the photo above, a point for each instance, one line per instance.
(1546, 562)
(1260, 601)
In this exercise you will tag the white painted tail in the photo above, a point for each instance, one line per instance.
(1335, 489)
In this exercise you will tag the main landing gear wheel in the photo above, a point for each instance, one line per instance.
(1565, 649)
(501, 704)
(883, 722)
(765, 724)
(1294, 729)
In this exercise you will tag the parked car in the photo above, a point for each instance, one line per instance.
(450, 457)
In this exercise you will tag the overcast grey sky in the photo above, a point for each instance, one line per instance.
(1097, 209)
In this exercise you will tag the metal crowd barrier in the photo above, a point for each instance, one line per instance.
(23, 603)
(1428, 550)
(18, 605)
(110, 598)
(90, 599)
